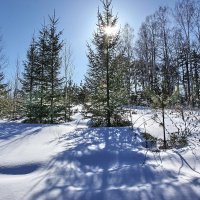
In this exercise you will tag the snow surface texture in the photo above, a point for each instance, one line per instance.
(74, 162)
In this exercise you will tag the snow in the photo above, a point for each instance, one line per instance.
(73, 162)
(150, 121)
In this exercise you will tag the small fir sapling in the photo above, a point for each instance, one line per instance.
(162, 100)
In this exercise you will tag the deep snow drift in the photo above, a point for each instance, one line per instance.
(73, 162)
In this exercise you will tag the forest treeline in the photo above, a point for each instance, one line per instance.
(162, 60)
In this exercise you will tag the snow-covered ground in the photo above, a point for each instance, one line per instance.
(73, 162)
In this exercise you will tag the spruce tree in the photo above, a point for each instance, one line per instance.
(41, 78)
(34, 80)
(105, 77)
(29, 80)
(3, 85)
(54, 46)
(3, 96)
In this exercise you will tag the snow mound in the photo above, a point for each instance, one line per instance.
(73, 162)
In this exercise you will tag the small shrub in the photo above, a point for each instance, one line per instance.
(97, 122)
(148, 136)
(173, 139)
(150, 141)
(178, 141)
(119, 121)
(162, 146)
(134, 112)
(183, 141)
(116, 121)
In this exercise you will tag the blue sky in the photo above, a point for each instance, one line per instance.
(19, 19)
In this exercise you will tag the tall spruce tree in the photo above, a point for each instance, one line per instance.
(41, 82)
(105, 76)
(3, 85)
(41, 78)
(54, 66)
(3, 95)
(29, 79)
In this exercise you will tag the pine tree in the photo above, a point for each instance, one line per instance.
(105, 77)
(83, 94)
(42, 83)
(3, 96)
(29, 79)
(34, 81)
(54, 46)
(41, 77)
(3, 85)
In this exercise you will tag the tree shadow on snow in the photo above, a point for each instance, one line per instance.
(103, 164)
(19, 169)
(12, 129)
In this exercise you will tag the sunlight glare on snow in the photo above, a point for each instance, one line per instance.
(96, 147)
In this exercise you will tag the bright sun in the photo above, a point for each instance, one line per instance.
(110, 30)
